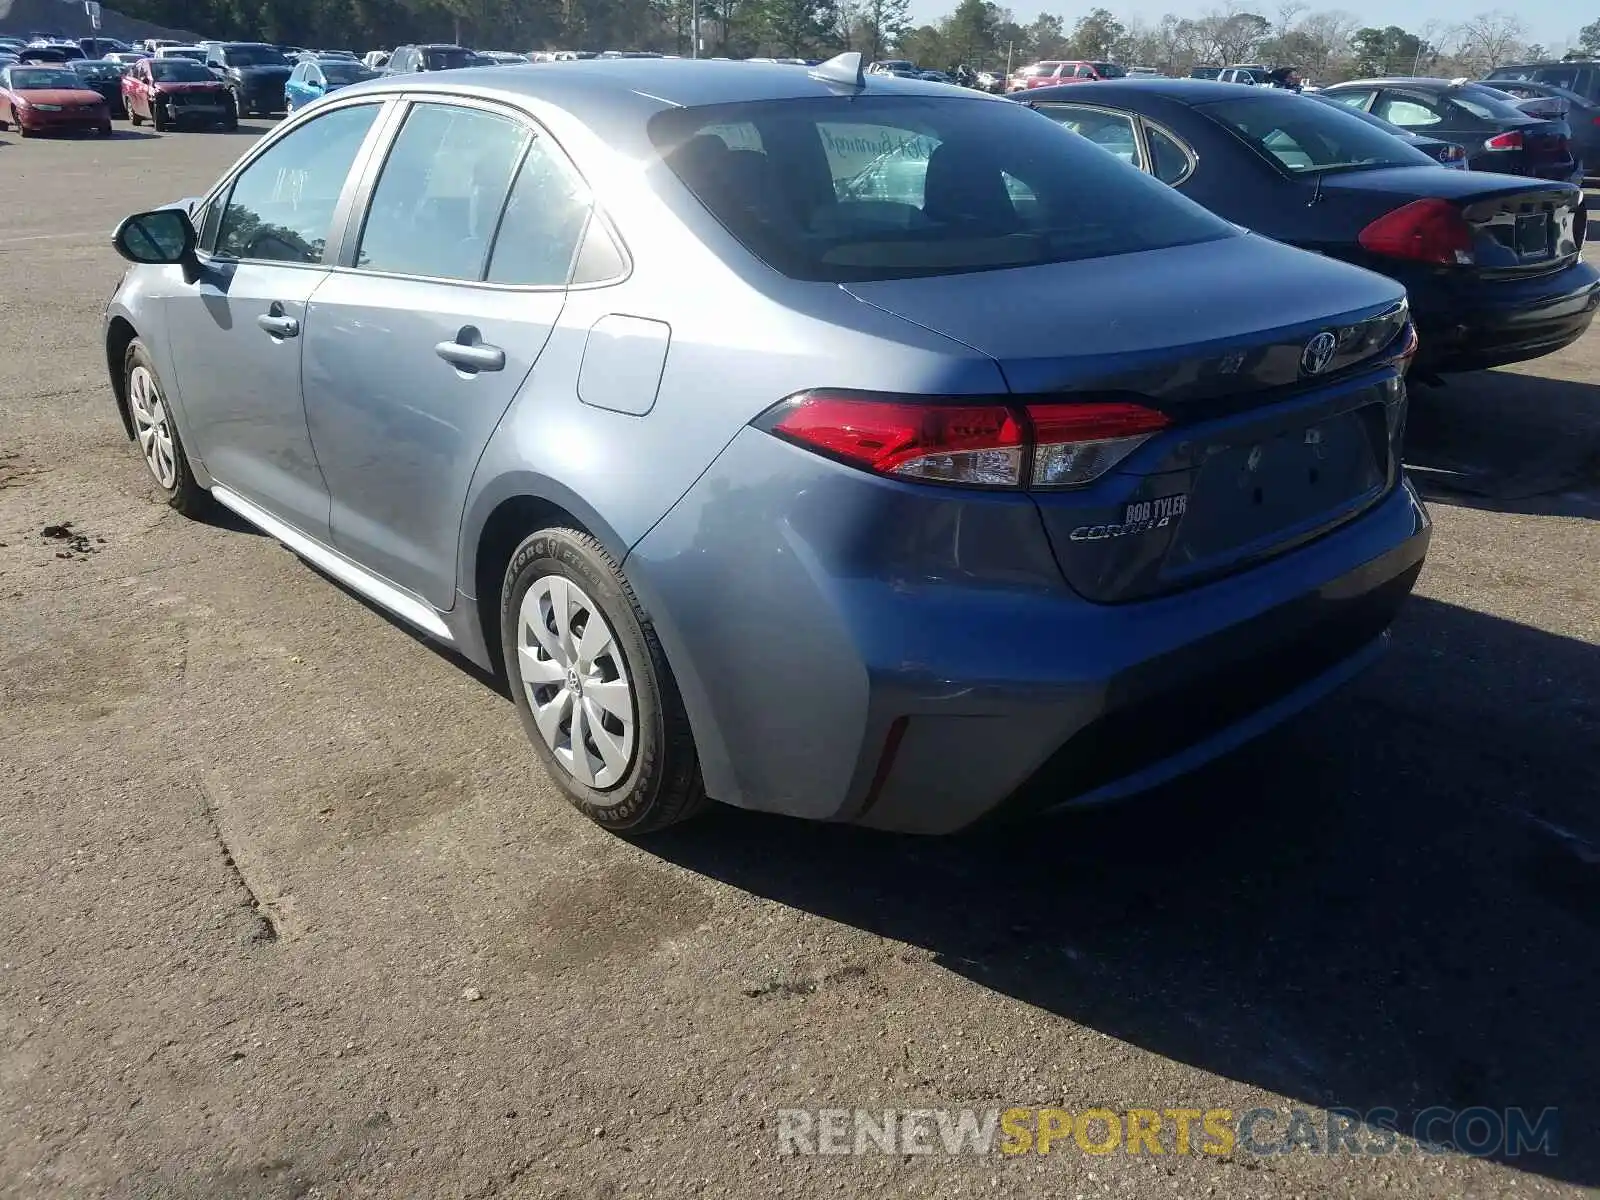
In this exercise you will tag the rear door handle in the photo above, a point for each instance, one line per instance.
(467, 353)
(277, 324)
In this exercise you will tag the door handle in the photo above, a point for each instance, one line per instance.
(277, 324)
(467, 353)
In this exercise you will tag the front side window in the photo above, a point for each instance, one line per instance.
(281, 206)
(909, 186)
(440, 193)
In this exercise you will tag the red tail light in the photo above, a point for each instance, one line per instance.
(1430, 230)
(1505, 141)
(986, 444)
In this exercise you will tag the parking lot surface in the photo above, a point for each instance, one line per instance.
(287, 907)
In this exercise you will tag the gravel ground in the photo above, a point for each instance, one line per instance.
(287, 908)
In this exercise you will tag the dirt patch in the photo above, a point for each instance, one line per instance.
(627, 908)
(369, 804)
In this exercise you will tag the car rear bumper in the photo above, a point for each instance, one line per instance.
(1491, 323)
(901, 672)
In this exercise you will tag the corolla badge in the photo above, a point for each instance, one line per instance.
(1314, 359)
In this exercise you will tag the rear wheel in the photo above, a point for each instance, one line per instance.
(156, 433)
(593, 688)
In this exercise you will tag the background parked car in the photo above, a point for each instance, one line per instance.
(172, 92)
(48, 56)
(1498, 136)
(254, 72)
(314, 78)
(99, 47)
(438, 56)
(1252, 74)
(1582, 116)
(1582, 76)
(1491, 262)
(50, 98)
(104, 77)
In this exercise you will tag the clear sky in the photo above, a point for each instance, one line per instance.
(1551, 22)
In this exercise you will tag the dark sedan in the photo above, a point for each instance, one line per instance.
(1498, 135)
(1491, 262)
(1582, 115)
(105, 78)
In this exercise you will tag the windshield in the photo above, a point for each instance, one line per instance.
(254, 56)
(96, 70)
(842, 189)
(179, 70)
(44, 78)
(447, 58)
(1303, 136)
(341, 71)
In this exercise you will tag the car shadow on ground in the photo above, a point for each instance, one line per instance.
(1391, 902)
(1501, 440)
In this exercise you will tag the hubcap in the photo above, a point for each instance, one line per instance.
(576, 681)
(152, 427)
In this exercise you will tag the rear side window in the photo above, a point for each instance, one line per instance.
(1566, 77)
(543, 222)
(1169, 161)
(439, 196)
(890, 187)
(1112, 132)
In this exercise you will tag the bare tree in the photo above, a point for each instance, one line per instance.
(1491, 38)
(1288, 13)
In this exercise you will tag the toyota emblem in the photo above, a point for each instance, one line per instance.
(1314, 359)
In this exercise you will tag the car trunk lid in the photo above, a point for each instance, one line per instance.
(1520, 226)
(1282, 427)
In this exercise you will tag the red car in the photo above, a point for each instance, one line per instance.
(1058, 71)
(172, 91)
(50, 100)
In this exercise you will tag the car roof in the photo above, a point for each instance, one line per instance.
(589, 87)
(1420, 82)
(1184, 91)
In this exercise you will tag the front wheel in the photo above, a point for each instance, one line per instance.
(159, 121)
(593, 688)
(156, 433)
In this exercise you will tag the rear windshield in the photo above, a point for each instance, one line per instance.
(23, 79)
(167, 52)
(1304, 136)
(178, 70)
(448, 59)
(1486, 102)
(846, 188)
(254, 56)
(341, 71)
(1108, 70)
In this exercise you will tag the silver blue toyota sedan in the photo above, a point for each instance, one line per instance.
(838, 445)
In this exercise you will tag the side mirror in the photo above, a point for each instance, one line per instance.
(163, 237)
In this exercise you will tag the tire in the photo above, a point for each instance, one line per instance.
(156, 434)
(133, 117)
(648, 775)
(158, 121)
(105, 130)
(22, 130)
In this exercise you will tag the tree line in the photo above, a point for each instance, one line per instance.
(1326, 45)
